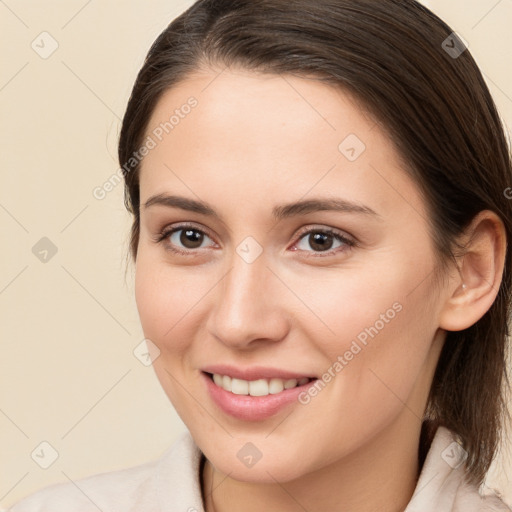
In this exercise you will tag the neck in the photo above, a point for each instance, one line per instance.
(381, 475)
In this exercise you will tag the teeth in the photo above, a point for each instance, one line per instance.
(290, 383)
(275, 386)
(260, 387)
(239, 387)
(226, 382)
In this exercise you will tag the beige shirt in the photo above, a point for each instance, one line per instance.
(172, 484)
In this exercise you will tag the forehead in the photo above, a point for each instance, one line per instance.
(268, 137)
(276, 109)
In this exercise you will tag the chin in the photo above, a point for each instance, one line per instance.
(267, 472)
(233, 458)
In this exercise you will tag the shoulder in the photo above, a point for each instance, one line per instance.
(469, 499)
(93, 493)
(131, 489)
(443, 485)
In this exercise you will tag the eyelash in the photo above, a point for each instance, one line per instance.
(166, 233)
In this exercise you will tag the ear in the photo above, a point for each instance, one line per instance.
(472, 291)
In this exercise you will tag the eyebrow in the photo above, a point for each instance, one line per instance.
(278, 212)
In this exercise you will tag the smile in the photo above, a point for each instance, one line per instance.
(254, 400)
(260, 387)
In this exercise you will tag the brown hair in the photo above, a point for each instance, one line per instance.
(397, 58)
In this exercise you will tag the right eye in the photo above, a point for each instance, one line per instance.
(182, 239)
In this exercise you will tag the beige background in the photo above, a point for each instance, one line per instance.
(69, 325)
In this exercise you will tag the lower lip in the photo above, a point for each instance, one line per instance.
(253, 408)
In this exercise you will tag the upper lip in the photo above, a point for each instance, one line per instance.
(254, 372)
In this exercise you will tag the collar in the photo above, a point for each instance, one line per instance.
(441, 485)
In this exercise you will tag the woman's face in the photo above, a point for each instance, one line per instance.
(252, 290)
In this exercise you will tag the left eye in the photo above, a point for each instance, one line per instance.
(323, 240)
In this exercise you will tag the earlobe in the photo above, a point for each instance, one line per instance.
(472, 291)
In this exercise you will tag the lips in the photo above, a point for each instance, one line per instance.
(252, 408)
(255, 372)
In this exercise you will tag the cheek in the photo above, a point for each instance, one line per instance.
(374, 330)
(343, 305)
(162, 299)
(171, 301)
(165, 305)
(373, 365)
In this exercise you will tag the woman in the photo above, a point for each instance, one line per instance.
(320, 227)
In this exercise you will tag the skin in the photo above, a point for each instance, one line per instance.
(255, 141)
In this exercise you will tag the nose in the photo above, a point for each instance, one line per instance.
(249, 306)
